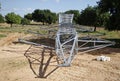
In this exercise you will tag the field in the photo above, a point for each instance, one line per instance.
(22, 62)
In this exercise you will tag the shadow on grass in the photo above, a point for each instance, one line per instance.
(41, 60)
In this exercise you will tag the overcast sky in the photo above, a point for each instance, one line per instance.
(23, 7)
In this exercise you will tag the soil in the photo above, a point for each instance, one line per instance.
(21, 62)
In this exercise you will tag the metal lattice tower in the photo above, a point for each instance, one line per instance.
(68, 43)
(66, 40)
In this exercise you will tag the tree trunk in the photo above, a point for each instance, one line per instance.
(95, 28)
(43, 23)
(11, 25)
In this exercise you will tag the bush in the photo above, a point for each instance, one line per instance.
(25, 21)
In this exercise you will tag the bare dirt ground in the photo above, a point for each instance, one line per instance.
(21, 62)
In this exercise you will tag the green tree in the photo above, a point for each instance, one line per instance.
(1, 19)
(12, 18)
(101, 19)
(104, 18)
(38, 15)
(25, 21)
(28, 16)
(88, 16)
(51, 18)
(44, 16)
(76, 15)
(113, 7)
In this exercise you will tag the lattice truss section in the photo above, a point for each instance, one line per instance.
(68, 43)
(66, 40)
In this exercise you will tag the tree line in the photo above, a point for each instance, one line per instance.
(44, 16)
(106, 14)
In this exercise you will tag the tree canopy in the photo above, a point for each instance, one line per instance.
(44, 16)
(28, 16)
(76, 15)
(12, 18)
(106, 13)
(25, 21)
(88, 16)
(113, 7)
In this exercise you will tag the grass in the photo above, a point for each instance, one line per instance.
(43, 29)
(22, 29)
(111, 34)
(106, 34)
(2, 35)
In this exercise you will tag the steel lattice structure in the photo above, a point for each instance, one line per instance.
(68, 43)
(66, 39)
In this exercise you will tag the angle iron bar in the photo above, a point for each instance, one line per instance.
(71, 52)
(37, 33)
(76, 44)
(84, 44)
(67, 41)
(105, 41)
(88, 41)
(95, 48)
(32, 43)
(61, 47)
(70, 37)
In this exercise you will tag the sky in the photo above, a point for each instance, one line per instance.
(23, 7)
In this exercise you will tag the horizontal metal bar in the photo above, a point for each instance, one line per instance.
(95, 41)
(37, 33)
(32, 43)
(95, 48)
